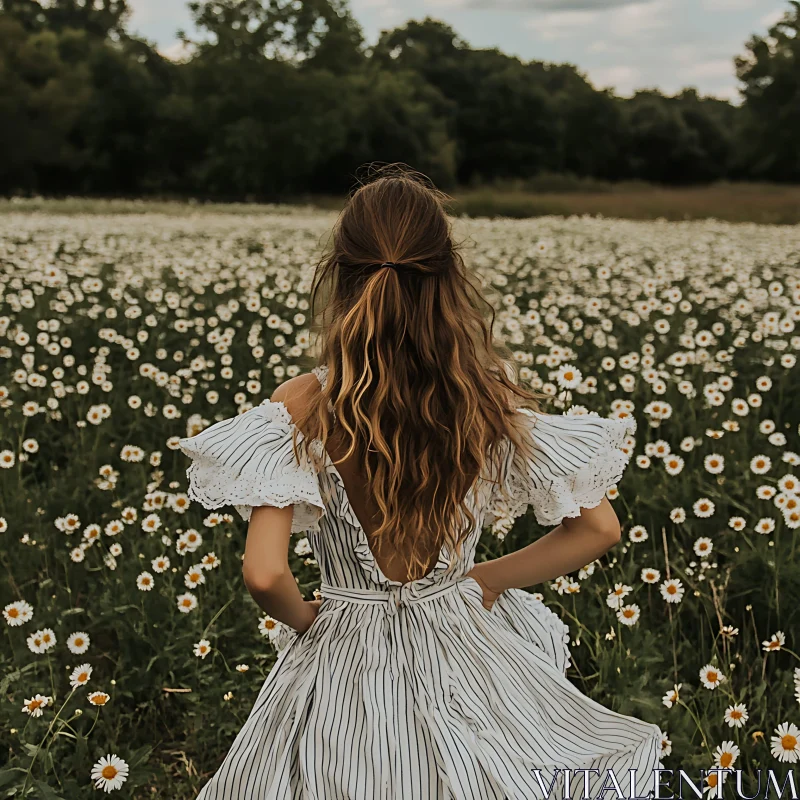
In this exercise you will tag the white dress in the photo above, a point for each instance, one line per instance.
(416, 691)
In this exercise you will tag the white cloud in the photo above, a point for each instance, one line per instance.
(177, 51)
(772, 18)
(728, 5)
(556, 24)
(623, 22)
(622, 78)
(703, 70)
(544, 5)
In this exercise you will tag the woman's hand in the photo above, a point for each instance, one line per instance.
(311, 611)
(489, 594)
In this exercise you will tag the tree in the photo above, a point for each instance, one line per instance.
(770, 72)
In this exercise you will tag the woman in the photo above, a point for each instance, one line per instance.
(419, 674)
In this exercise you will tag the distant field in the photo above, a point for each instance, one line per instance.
(730, 202)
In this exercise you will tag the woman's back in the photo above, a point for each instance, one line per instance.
(409, 441)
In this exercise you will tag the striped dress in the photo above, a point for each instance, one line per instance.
(416, 691)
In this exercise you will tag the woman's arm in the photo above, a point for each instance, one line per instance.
(576, 542)
(266, 571)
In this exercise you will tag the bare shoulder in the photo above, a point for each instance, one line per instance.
(297, 393)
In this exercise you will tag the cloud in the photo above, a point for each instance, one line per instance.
(622, 78)
(772, 18)
(624, 22)
(177, 51)
(547, 5)
(703, 70)
(728, 5)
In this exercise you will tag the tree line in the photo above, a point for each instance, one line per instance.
(279, 97)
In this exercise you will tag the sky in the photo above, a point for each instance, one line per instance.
(621, 44)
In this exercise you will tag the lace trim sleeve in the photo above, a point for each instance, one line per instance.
(576, 460)
(248, 461)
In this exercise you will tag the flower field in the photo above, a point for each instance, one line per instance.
(132, 653)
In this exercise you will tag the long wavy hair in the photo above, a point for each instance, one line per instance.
(421, 395)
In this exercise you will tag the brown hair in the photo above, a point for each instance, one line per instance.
(421, 394)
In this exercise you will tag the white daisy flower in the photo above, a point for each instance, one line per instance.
(109, 773)
(78, 642)
(629, 615)
(786, 743)
(775, 642)
(35, 705)
(711, 677)
(18, 613)
(202, 648)
(736, 715)
(80, 676)
(672, 590)
(672, 696)
(145, 582)
(725, 755)
(186, 602)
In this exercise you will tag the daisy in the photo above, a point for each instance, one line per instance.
(703, 546)
(80, 676)
(729, 631)
(638, 533)
(568, 377)
(672, 697)
(78, 642)
(109, 773)
(144, 582)
(714, 464)
(789, 484)
(703, 507)
(678, 515)
(672, 590)
(673, 464)
(737, 523)
(760, 464)
(98, 698)
(41, 641)
(187, 602)
(614, 599)
(194, 577)
(711, 677)
(775, 643)
(160, 564)
(35, 705)
(629, 615)
(18, 613)
(202, 648)
(666, 746)
(765, 526)
(736, 715)
(650, 575)
(786, 743)
(725, 755)
(242, 667)
(210, 561)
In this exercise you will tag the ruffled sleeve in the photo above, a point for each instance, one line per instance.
(575, 460)
(248, 460)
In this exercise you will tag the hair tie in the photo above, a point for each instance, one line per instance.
(390, 264)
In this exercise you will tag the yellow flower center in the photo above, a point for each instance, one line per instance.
(109, 772)
(712, 676)
(34, 704)
(13, 612)
(726, 759)
(789, 742)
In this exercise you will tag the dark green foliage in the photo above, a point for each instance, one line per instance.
(277, 98)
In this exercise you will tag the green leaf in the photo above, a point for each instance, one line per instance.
(46, 792)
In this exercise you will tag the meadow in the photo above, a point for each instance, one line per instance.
(132, 653)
